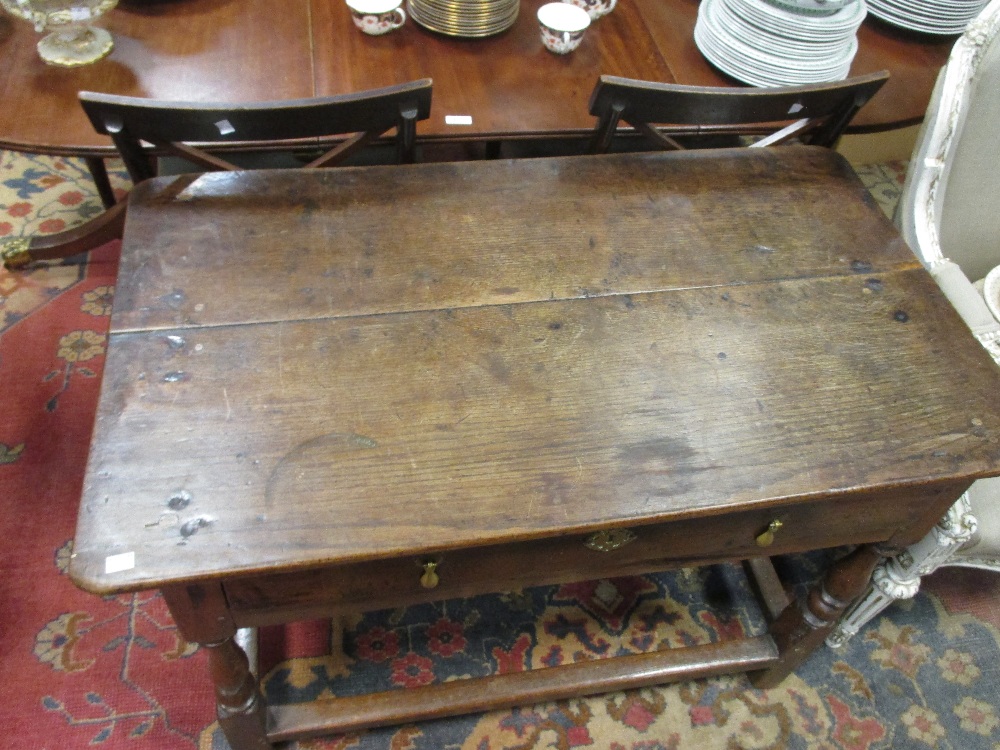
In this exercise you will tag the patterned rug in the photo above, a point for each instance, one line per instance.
(81, 671)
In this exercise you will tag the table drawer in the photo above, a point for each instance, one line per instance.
(612, 552)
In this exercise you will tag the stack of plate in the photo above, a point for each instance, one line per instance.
(780, 42)
(929, 16)
(470, 18)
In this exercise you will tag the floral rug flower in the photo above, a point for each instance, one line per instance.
(83, 671)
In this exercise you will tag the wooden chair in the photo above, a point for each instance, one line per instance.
(947, 214)
(203, 134)
(815, 114)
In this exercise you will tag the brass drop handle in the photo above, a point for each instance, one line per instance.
(430, 578)
(767, 538)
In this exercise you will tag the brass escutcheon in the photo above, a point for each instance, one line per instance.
(766, 539)
(609, 539)
(430, 578)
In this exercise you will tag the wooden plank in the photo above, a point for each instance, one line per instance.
(353, 713)
(433, 236)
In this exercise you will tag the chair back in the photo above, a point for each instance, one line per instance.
(199, 132)
(949, 204)
(816, 114)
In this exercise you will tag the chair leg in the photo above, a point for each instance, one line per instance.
(899, 577)
(600, 141)
(99, 174)
(18, 252)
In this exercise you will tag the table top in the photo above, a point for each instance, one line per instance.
(205, 50)
(309, 368)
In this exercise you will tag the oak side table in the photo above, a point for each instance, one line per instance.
(358, 388)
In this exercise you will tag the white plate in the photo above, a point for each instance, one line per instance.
(809, 69)
(814, 6)
(768, 40)
(730, 56)
(930, 18)
(796, 26)
(719, 59)
(931, 14)
(991, 291)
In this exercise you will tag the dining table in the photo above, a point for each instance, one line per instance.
(486, 90)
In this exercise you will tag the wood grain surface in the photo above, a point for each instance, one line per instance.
(691, 337)
(356, 241)
(224, 50)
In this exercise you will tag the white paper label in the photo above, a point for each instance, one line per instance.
(118, 563)
(458, 119)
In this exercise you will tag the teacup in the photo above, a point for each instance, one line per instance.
(377, 17)
(595, 8)
(562, 26)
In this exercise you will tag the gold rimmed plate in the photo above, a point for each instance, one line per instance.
(476, 18)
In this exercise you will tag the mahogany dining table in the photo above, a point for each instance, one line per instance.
(502, 87)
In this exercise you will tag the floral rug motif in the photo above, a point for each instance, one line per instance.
(84, 671)
(44, 195)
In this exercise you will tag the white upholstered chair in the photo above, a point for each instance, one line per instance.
(949, 214)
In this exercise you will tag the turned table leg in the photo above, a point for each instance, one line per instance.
(804, 625)
(202, 616)
(239, 704)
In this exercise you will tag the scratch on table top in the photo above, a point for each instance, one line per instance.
(281, 356)
(562, 351)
